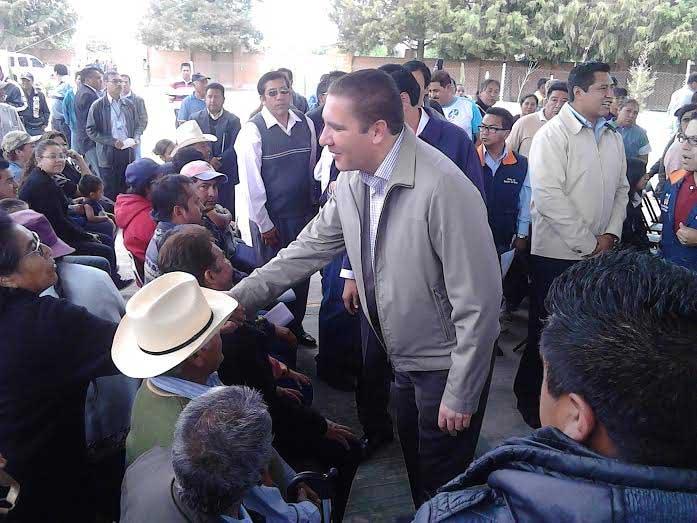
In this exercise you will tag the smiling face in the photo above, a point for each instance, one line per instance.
(52, 160)
(595, 102)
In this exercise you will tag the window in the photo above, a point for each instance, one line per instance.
(12, 61)
(36, 63)
(23, 62)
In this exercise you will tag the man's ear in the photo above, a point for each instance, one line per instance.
(380, 131)
(208, 278)
(578, 421)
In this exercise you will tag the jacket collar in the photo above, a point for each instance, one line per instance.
(509, 159)
(548, 451)
(571, 122)
(404, 172)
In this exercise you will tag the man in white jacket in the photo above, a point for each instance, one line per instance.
(577, 172)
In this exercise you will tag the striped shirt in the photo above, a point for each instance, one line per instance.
(377, 184)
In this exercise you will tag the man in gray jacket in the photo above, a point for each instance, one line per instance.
(416, 233)
(139, 103)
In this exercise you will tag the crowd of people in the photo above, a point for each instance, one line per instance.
(185, 403)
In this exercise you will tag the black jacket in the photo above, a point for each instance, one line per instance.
(43, 195)
(36, 125)
(548, 477)
(84, 99)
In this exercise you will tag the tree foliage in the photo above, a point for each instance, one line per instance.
(558, 30)
(27, 22)
(195, 25)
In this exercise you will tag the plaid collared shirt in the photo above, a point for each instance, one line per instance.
(377, 183)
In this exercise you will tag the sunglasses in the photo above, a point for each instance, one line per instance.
(273, 93)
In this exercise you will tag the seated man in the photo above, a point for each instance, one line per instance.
(300, 432)
(617, 407)
(171, 336)
(174, 202)
(220, 452)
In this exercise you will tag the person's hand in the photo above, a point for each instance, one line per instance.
(687, 235)
(340, 434)
(521, 244)
(239, 315)
(216, 162)
(118, 144)
(271, 238)
(285, 334)
(299, 378)
(452, 422)
(350, 296)
(605, 243)
(95, 237)
(291, 394)
(229, 327)
(331, 187)
(71, 153)
(310, 495)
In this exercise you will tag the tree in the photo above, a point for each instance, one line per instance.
(195, 25)
(24, 23)
(365, 24)
(641, 80)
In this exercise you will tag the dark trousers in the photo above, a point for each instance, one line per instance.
(374, 379)
(58, 124)
(432, 457)
(114, 176)
(99, 249)
(528, 380)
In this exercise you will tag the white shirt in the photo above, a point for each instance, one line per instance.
(323, 169)
(248, 149)
(423, 121)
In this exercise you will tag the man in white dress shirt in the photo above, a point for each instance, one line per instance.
(276, 151)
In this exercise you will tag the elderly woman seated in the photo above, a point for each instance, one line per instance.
(220, 451)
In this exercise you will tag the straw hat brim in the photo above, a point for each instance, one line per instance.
(192, 141)
(133, 362)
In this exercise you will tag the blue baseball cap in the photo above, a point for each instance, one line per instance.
(142, 172)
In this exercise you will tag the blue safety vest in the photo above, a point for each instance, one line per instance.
(671, 248)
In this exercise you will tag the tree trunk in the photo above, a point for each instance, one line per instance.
(420, 47)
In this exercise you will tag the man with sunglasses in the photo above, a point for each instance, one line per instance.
(506, 182)
(114, 125)
(276, 154)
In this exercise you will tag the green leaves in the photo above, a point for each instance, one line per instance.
(211, 25)
(26, 22)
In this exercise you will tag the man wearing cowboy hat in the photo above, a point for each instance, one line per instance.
(170, 337)
(189, 135)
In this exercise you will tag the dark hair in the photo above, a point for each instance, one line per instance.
(406, 83)
(506, 117)
(442, 77)
(418, 65)
(326, 80)
(87, 72)
(10, 253)
(629, 101)
(287, 72)
(51, 135)
(557, 86)
(693, 100)
(583, 76)
(375, 97)
(12, 205)
(4, 164)
(184, 64)
(529, 96)
(541, 82)
(390, 68)
(187, 248)
(627, 344)
(60, 70)
(217, 87)
(486, 83)
(161, 146)
(692, 78)
(89, 183)
(185, 155)
(111, 74)
(636, 169)
(168, 192)
(127, 76)
(619, 91)
(268, 77)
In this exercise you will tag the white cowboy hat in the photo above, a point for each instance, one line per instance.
(167, 321)
(189, 133)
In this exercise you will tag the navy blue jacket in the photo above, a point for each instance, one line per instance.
(84, 99)
(454, 143)
(671, 249)
(502, 196)
(548, 477)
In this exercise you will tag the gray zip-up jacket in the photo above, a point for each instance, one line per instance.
(437, 276)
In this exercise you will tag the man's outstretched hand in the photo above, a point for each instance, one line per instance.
(452, 422)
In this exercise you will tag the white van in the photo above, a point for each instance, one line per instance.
(25, 63)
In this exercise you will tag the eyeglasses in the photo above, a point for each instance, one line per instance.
(55, 157)
(273, 93)
(692, 140)
(490, 129)
(116, 82)
(37, 247)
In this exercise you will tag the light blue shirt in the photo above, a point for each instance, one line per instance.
(119, 130)
(266, 501)
(524, 196)
(598, 128)
(190, 106)
(16, 171)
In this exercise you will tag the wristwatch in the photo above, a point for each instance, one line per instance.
(521, 236)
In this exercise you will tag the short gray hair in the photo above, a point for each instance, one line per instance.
(222, 442)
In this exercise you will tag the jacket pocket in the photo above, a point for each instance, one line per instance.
(444, 309)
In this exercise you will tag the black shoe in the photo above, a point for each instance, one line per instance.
(371, 443)
(306, 340)
(122, 284)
